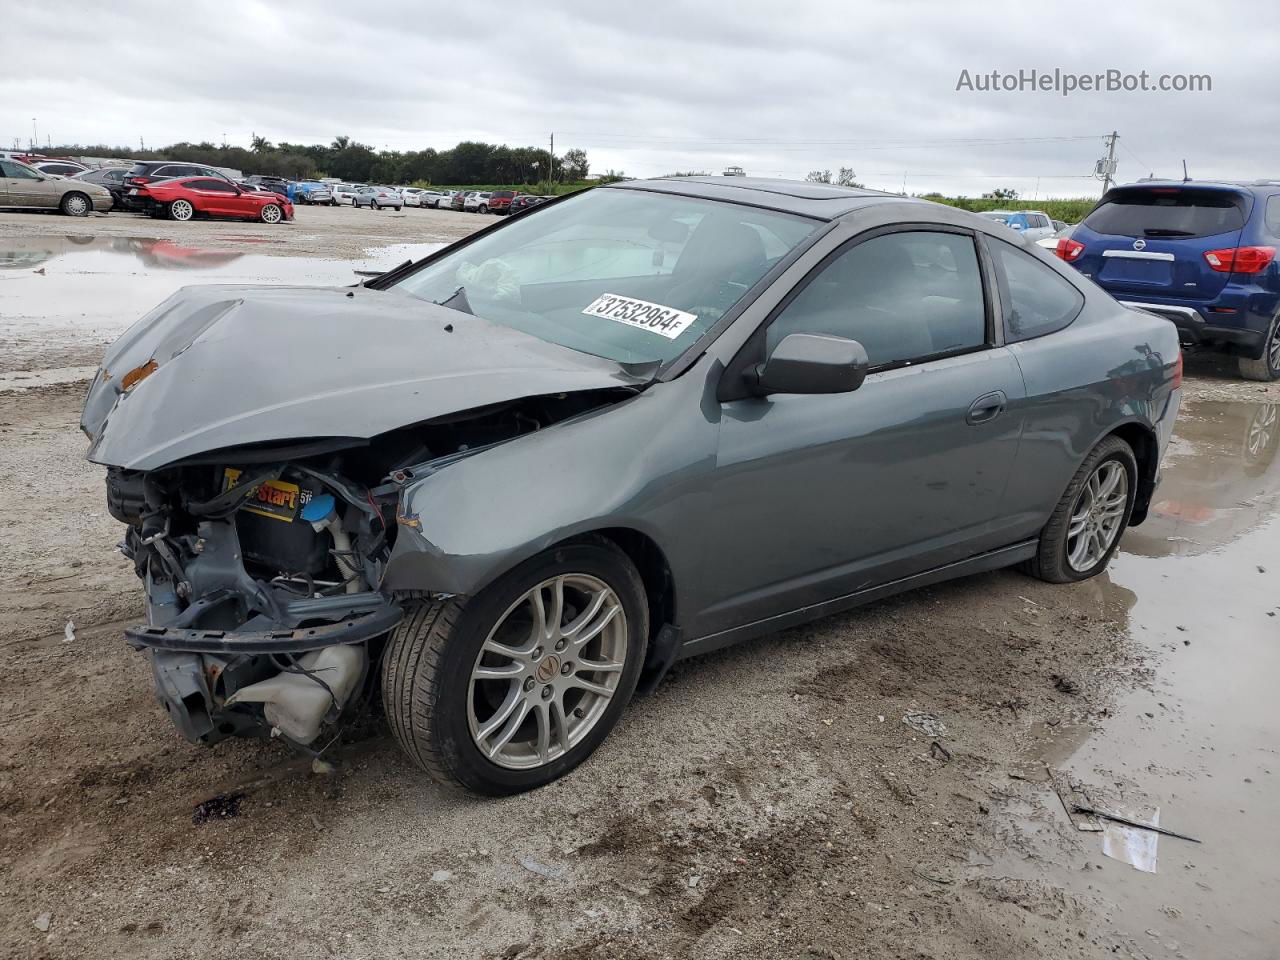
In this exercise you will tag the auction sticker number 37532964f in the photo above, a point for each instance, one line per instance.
(654, 317)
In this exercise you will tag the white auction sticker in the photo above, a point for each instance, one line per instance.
(654, 317)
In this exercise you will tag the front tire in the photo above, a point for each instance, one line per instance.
(516, 686)
(76, 204)
(1084, 530)
(271, 213)
(1266, 367)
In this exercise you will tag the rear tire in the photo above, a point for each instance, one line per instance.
(438, 707)
(1053, 560)
(181, 210)
(1266, 367)
(76, 204)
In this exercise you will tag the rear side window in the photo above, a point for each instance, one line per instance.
(904, 296)
(1168, 212)
(220, 186)
(1036, 301)
(1273, 215)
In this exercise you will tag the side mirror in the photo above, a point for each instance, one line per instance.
(1015, 226)
(810, 363)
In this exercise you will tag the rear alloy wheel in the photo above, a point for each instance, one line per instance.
(1084, 530)
(516, 686)
(75, 205)
(181, 210)
(1267, 366)
(271, 213)
(484, 208)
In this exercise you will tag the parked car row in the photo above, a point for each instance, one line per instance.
(495, 201)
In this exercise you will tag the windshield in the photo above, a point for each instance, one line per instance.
(625, 274)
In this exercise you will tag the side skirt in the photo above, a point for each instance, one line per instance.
(994, 560)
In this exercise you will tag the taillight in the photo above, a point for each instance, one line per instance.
(1177, 370)
(1069, 249)
(1240, 259)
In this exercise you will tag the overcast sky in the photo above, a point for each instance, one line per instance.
(779, 88)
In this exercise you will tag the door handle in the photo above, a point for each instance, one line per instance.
(987, 407)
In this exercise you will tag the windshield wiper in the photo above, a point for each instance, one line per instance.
(381, 280)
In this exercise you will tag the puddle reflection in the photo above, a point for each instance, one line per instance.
(1197, 588)
(1221, 480)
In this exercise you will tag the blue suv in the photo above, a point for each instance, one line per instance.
(1202, 254)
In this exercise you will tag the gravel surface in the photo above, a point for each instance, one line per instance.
(852, 788)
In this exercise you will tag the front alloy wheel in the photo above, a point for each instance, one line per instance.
(271, 213)
(547, 671)
(514, 687)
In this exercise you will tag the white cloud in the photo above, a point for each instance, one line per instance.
(779, 89)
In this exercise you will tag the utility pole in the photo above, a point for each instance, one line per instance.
(35, 137)
(1110, 169)
(551, 168)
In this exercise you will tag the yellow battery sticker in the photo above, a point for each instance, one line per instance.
(277, 499)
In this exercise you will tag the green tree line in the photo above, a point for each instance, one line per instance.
(1068, 210)
(470, 162)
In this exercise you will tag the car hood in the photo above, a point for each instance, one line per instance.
(236, 365)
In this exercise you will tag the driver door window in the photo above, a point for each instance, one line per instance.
(905, 296)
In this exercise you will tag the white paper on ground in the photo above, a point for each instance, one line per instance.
(1129, 844)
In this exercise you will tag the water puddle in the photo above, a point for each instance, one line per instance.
(63, 298)
(1196, 745)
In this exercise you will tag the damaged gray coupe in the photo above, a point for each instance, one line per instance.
(511, 483)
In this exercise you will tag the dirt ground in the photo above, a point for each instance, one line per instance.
(882, 784)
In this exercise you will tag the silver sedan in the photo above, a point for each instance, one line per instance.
(24, 187)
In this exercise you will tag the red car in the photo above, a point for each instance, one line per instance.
(500, 201)
(185, 197)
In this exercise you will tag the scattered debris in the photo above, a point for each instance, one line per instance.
(694, 881)
(1066, 685)
(542, 870)
(321, 766)
(933, 878)
(221, 807)
(1080, 808)
(925, 723)
(42, 922)
(1085, 826)
(442, 876)
(938, 751)
(69, 632)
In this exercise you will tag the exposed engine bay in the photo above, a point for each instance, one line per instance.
(263, 565)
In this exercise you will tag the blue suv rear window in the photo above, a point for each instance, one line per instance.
(1176, 213)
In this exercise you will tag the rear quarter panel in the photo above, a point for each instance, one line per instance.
(1111, 367)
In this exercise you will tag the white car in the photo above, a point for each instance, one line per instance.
(1032, 224)
(412, 196)
(476, 202)
(440, 199)
(60, 168)
(343, 193)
